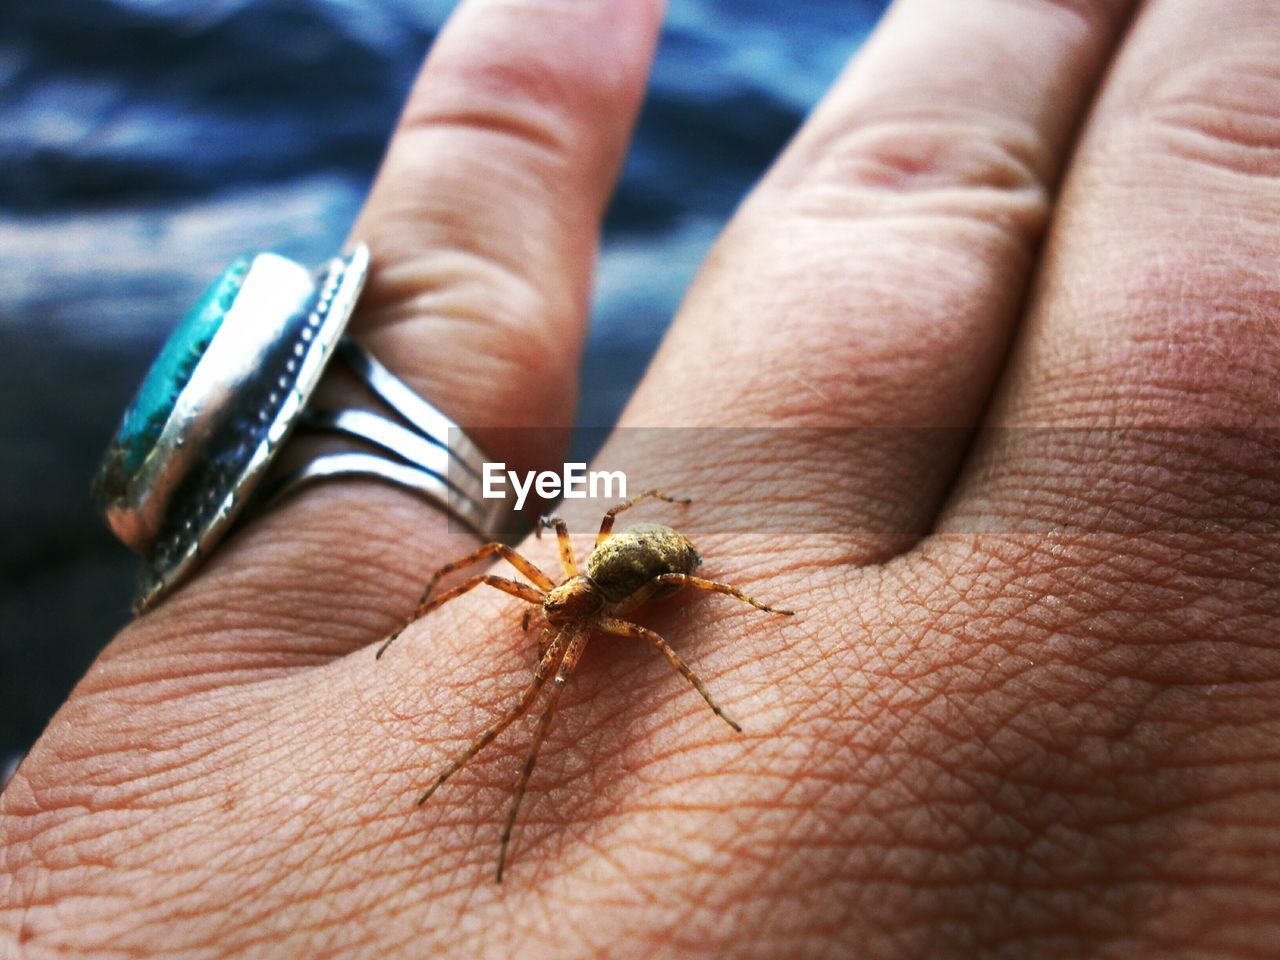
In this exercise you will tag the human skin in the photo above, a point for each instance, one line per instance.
(1030, 702)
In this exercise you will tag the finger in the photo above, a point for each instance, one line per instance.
(483, 224)
(1147, 370)
(485, 216)
(1129, 445)
(873, 279)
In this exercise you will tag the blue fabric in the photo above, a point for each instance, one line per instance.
(145, 143)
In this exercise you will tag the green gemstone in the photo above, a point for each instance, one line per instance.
(169, 374)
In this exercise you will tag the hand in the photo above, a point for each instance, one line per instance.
(1030, 703)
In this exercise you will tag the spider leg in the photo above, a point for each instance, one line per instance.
(677, 580)
(543, 641)
(545, 634)
(540, 674)
(571, 656)
(636, 600)
(606, 524)
(625, 628)
(513, 587)
(562, 539)
(527, 567)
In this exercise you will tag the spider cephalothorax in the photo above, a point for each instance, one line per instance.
(623, 571)
(575, 599)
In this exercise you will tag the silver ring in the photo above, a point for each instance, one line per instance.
(229, 387)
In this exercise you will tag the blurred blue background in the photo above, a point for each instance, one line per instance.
(144, 143)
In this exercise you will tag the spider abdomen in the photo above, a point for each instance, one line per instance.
(633, 557)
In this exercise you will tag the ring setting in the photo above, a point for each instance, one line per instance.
(232, 383)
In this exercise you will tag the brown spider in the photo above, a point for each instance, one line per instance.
(624, 570)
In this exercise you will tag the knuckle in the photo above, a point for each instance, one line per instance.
(526, 92)
(508, 101)
(511, 319)
(1222, 113)
(935, 165)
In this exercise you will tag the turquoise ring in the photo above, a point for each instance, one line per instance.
(228, 388)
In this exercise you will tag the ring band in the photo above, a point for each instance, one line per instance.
(229, 387)
(434, 457)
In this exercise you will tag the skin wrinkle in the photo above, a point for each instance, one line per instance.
(1221, 113)
(64, 797)
(156, 672)
(1174, 481)
(561, 91)
(517, 418)
(457, 293)
(682, 822)
(223, 630)
(900, 174)
(246, 867)
(890, 356)
(541, 133)
(1153, 376)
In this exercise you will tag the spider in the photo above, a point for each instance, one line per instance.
(623, 571)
